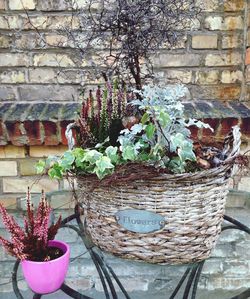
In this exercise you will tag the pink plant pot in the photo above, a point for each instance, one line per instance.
(47, 277)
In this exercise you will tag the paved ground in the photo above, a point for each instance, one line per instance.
(134, 295)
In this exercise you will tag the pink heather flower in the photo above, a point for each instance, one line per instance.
(29, 221)
(85, 110)
(32, 242)
(7, 245)
(10, 223)
(42, 221)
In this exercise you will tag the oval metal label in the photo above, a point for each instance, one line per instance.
(140, 221)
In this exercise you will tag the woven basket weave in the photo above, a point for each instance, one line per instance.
(191, 203)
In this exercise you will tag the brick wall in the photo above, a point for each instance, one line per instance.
(40, 78)
(209, 58)
(40, 81)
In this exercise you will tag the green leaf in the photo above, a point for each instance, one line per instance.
(129, 153)
(176, 165)
(51, 160)
(111, 152)
(186, 152)
(177, 141)
(101, 174)
(78, 154)
(40, 166)
(164, 118)
(91, 156)
(145, 118)
(150, 129)
(56, 172)
(67, 160)
(141, 144)
(104, 163)
(186, 155)
(143, 157)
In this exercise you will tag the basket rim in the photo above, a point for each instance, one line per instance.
(222, 169)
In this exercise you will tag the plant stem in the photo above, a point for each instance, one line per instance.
(135, 70)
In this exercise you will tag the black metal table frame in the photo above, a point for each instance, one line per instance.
(107, 275)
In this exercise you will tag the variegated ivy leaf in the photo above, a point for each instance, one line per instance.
(104, 163)
(67, 160)
(91, 156)
(177, 165)
(40, 166)
(56, 172)
(111, 152)
(78, 153)
(129, 153)
(100, 174)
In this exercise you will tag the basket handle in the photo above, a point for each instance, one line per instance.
(232, 142)
(69, 135)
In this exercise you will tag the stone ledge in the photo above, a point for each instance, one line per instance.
(45, 123)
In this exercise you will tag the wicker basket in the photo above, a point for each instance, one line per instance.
(192, 205)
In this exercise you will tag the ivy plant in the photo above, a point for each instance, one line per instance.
(85, 161)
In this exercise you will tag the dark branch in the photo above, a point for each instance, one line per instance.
(131, 31)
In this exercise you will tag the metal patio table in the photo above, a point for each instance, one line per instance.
(187, 284)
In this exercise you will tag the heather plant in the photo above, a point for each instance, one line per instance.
(30, 242)
(101, 114)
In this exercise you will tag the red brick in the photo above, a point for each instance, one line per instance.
(33, 132)
(214, 124)
(245, 126)
(194, 132)
(16, 133)
(51, 134)
(208, 137)
(226, 126)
